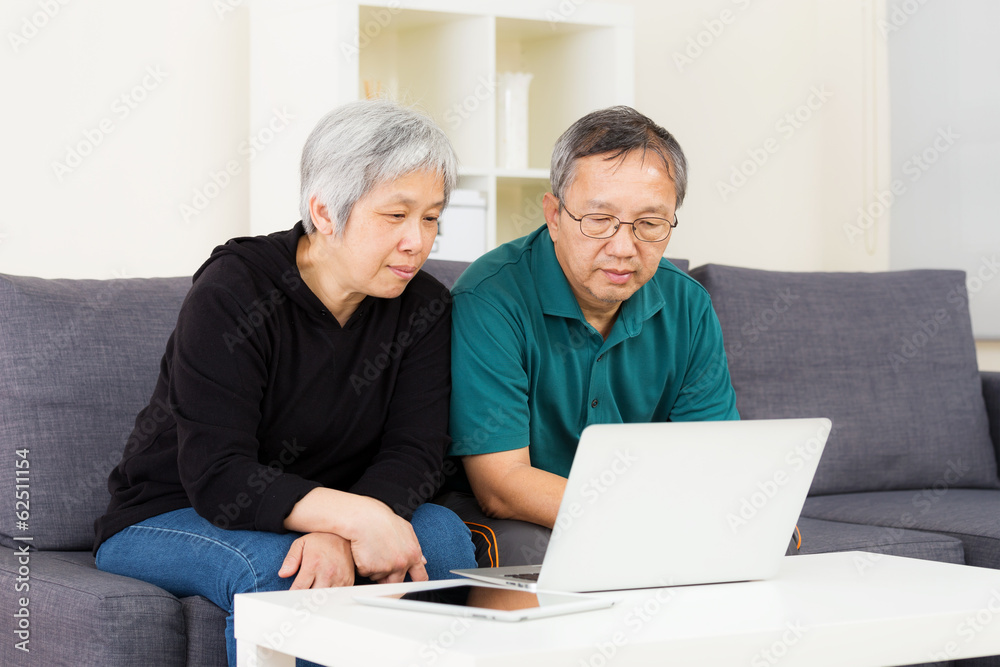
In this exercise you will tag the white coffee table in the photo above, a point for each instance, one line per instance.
(838, 609)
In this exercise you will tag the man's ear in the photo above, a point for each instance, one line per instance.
(320, 216)
(550, 205)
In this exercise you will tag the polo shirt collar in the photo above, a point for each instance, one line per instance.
(557, 298)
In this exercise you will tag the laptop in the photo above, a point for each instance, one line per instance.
(677, 503)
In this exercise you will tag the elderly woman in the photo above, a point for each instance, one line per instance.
(302, 402)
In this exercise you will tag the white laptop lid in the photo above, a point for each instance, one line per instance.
(681, 503)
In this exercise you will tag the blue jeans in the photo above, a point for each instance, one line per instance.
(185, 554)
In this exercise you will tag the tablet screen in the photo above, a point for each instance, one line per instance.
(486, 597)
(480, 600)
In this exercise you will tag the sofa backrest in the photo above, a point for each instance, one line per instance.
(888, 357)
(445, 270)
(78, 360)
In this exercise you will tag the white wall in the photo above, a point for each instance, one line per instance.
(767, 98)
(725, 83)
(944, 146)
(119, 212)
(116, 208)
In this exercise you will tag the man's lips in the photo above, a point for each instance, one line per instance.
(617, 276)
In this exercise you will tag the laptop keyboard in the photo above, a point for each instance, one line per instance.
(524, 576)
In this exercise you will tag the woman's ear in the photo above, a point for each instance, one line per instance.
(320, 216)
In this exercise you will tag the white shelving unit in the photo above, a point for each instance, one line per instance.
(442, 56)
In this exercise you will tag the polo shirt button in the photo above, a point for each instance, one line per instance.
(593, 403)
(600, 357)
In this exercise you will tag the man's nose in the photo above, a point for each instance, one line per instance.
(623, 242)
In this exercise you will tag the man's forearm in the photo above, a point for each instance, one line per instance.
(524, 493)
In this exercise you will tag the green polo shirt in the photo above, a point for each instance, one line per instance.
(529, 371)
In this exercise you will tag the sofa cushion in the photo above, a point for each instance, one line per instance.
(888, 357)
(80, 615)
(820, 536)
(969, 515)
(78, 360)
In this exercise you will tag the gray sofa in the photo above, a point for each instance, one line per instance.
(910, 468)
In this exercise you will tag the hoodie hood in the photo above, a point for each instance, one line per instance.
(274, 256)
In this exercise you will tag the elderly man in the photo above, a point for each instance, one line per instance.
(580, 322)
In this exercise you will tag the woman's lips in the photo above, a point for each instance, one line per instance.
(403, 271)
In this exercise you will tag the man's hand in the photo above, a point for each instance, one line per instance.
(384, 546)
(321, 560)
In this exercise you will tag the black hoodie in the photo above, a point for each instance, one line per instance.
(263, 396)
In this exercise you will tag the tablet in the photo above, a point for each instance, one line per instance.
(498, 603)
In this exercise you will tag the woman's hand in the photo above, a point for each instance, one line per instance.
(384, 546)
(321, 560)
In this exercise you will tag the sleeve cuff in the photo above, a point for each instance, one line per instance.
(493, 443)
(278, 500)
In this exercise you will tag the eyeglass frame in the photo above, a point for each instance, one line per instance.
(621, 222)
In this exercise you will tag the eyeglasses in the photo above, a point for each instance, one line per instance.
(604, 226)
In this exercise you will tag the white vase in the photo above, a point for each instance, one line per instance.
(512, 119)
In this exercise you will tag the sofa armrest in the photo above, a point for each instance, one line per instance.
(991, 394)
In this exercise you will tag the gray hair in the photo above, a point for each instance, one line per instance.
(361, 145)
(616, 131)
